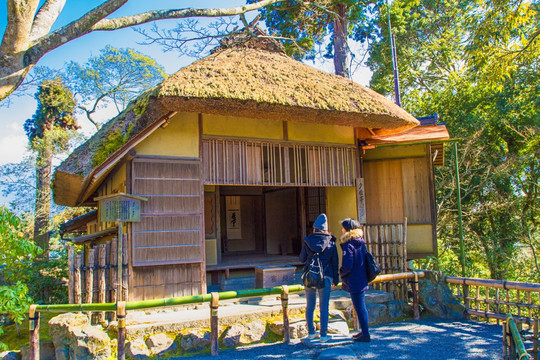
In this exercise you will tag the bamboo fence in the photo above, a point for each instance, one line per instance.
(121, 308)
(494, 300)
(388, 244)
(93, 275)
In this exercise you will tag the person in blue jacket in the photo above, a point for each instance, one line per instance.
(324, 243)
(353, 272)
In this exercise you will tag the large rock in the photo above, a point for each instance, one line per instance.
(137, 349)
(233, 335)
(195, 341)
(437, 299)
(377, 313)
(297, 328)
(254, 332)
(159, 344)
(75, 338)
(338, 327)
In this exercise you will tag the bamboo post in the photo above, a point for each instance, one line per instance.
(112, 274)
(33, 327)
(101, 281)
(504, 341)
(416, 305)
(77, 298)
(89, 285)
(214, 321)
(71, 267)
(121, 316)
(125, 269)
(535, 338)
(119, 263)
(510, 342)
(285, 307)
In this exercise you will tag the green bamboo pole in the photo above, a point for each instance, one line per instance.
(461, 244)
(195, 299)
(516, 337)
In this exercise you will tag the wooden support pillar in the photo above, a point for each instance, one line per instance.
(214, 322)
(121, 316)
(510, 342)
(77, 297)
(416, 305)
(33, 327)
(466, 301)
(504, 341)
(285, 307)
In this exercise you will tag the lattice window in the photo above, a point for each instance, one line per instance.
(242, 162)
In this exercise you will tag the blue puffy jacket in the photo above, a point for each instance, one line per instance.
(353, 264)
(325, 245)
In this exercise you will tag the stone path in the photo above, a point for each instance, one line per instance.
(427, 339)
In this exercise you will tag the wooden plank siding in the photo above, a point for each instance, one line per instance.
(167, 244)
(396, 189)
(251, 162)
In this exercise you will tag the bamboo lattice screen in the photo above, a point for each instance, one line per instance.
(247, 162)
(388, 244)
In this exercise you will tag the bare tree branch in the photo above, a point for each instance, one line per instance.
(45, 18)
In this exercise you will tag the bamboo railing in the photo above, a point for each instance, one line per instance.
(122, 307)
(494, 300)
(513, 346)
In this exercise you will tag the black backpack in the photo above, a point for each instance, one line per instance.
(313, 275)
(372, 268)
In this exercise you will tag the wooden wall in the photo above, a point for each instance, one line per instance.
(168, 243)
(403, 188)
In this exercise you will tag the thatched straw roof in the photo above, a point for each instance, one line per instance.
(256, 80)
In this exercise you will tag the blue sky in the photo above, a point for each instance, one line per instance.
(13, 140)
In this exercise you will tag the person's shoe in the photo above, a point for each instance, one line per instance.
(362, 338)
(357, 335)
(313, 336)
(326, 338)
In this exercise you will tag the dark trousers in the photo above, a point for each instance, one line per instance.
(359, 303)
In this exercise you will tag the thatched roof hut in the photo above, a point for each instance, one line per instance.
(256, 80)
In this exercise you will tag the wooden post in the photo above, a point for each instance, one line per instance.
(356, 323)
(71, 269)
(119, 262)
(466, 302)
(101, 281)
(33, 327)
(285, 307)
(121, 316)
(77, 298)
(416, 302)
(214, 329)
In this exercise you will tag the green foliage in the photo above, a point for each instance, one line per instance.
(310, 24)
(492, 106)
(55, 110)
(114, 142)
(16, 260)
(115, 77)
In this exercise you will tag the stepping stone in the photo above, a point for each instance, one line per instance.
(336, 340)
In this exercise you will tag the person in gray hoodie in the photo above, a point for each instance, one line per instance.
(323, 243)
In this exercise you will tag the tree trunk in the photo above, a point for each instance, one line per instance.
(341, 50)
(43, 198)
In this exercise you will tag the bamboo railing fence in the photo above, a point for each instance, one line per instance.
(513, 345)
(121, 308)
(93, 275)
(494, 300)
(388, 244)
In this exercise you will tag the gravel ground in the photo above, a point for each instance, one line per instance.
(427, 339)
